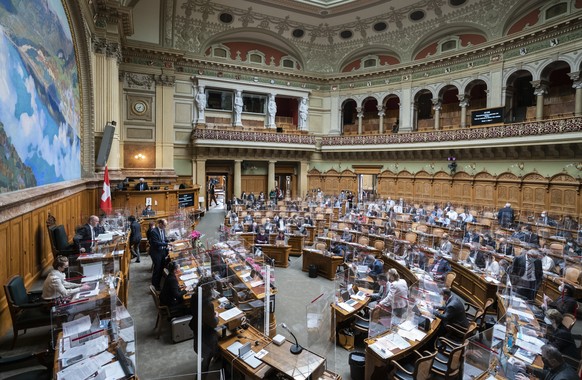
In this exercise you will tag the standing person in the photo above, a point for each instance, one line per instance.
(209, 322)
(135, 237)
(142, 185)
(212, 194)
(505, 216)
(397, 297)
(527, 274)
(158, 251)
(55, 285)
(85, 236)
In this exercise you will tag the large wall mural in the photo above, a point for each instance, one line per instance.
(39, 96)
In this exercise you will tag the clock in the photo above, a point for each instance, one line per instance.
(139, 107)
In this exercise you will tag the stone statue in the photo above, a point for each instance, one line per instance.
(238, 107)
(201, 103)
(303, 111)
(272, 108)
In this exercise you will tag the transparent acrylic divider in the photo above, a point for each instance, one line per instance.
(321, 324)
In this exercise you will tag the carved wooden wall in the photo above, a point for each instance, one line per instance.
(24, 243)
(531, 193)
(254, 184)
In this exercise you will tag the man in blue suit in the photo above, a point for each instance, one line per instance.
(158, 250)
(440, 267)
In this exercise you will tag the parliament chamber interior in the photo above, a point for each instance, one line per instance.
(289, 189)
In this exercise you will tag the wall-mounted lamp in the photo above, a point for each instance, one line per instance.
(139, 156)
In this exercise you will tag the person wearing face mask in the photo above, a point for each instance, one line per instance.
(546, 220)
(555, 368)
(565, 303)
(558, 335)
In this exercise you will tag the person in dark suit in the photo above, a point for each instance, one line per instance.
(527, 274)
(142, 185)
(158, 250)
(527, 236)
(209, 322)
(505, 248)
(453, 312)
(171, 294)
(555, 367)
(558, 335)
(86, 234)
(439, 268)
(564, 303)
(505, 216)
(135, 237)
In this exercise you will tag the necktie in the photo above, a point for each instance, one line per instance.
(92, 236)
(162, 234)
(529, 269)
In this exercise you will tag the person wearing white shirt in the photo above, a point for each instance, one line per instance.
(547, 262)
(446, 246)
(397, 296)
(491, 266)
(452, 215)
(55, 285)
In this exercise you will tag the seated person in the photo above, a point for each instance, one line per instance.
(268, 226)
(397, 297)
(546, 220)
(446, 246)
(237, 227)
(346, 236)
(527, 236)
(547, 262)
(480, 259)
(416, 257)
(86, 235)
(488, 241)
(55, 285)
(571, 248)
(440, 267)
(248, 219)
(491, 265)
(471, 236)
(171, 295)
(558, 335)
(280, 237)
(380, 291)
(308, 220)
(505, 248)
(148, 211)
(555, 367)
(337, 247)
(565, 303)
(453, 312)
(262, 237)
(389, 227)
(377, 267)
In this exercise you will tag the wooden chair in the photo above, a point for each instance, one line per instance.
(438, 232)
(449, 278)
(321, 247)
(379, 245)
(448, 361)
(422, 228)
(569, 321)
(572, 275)
(27, 310)
(420, 370)
(363, 240)
(411, 237)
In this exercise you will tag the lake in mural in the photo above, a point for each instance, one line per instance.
(39, 96)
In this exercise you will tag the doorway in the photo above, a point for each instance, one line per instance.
(217, 184)
(367, 187)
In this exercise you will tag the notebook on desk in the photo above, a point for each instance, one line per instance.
(244, 352)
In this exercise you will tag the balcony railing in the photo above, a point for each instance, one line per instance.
(537, 128)
(516, 130)
(252, 136)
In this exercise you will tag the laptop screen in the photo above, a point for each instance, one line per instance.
(345, 295)
(244, 349)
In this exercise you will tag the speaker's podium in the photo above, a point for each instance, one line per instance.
(165, 200)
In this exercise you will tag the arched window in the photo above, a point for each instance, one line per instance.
(220, 51)
(370, 61)
(289, 62)
(449, 44)
(255, 56)
(556, 10)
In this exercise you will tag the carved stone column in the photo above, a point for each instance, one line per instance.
(463, 103)
(381, 113)
(302, 185)
(436, 106)
(577, 84)
(540, 89)
(360, 112)
(271, 176)
(106, 93)
(237, 185)
(201, 178)
(165, 121)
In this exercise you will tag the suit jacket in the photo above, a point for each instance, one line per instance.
(505, 216)
(442, 266)
(171, 295)
(454, 312)
(518, 268)
(83, 237)
(397, 295)
(446, 247)
(158, 245)
(506, 249)
(142, 186)
(135, 231)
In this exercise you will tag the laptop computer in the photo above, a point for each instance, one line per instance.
(248, 355)
(346, 297)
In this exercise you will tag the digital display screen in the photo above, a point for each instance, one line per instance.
(186, 200)
(487, 116)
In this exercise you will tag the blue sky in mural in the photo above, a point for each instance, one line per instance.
(39, 96)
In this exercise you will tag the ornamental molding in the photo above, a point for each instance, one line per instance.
(136, 80)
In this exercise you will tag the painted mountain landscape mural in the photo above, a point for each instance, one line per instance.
(39, 96)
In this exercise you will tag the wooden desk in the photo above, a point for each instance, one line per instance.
(279, 253)
(340, 315)
(244, 336)
(258, 292)
(377, 367)
(297, 243)
(326, 265)
(472, 286)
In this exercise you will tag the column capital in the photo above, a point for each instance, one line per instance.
(380, 109)
(238, 160)
(111, 49)
(360, 111)
(540, 87)
(272, 162)
(463, 100)
(575, 76)
(436, 104)
(165, 80)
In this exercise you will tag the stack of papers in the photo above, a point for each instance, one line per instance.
(257, 283)
(229, 314)
(346, 307)
(189, 276)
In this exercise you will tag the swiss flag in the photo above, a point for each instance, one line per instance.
(105, 203)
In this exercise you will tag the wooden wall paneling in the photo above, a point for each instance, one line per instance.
(28, 267)
(254, 184)
(332, 184)
(40, 243)
(4, 256)
(15, 260)
(562, 201)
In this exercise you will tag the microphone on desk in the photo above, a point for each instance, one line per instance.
(295, 349)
